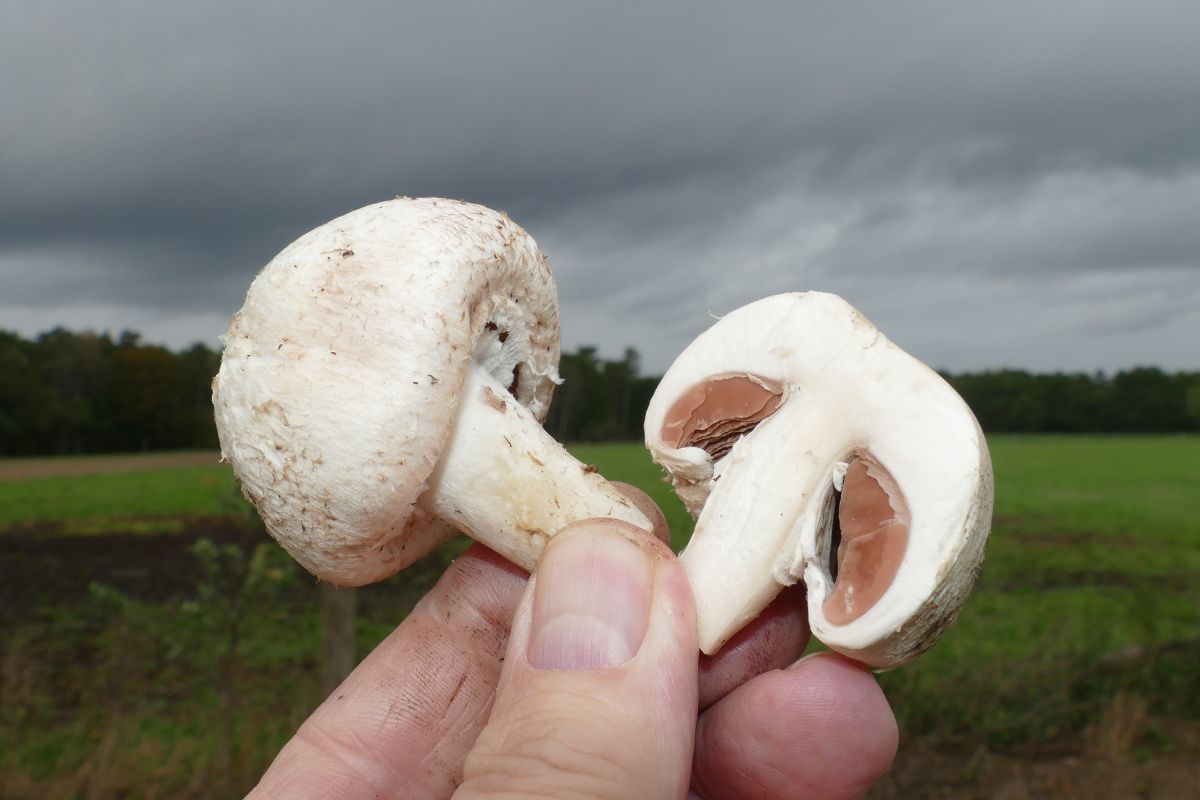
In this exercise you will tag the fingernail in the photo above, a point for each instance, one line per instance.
(832, 657)
(591, 599)
(809, 657)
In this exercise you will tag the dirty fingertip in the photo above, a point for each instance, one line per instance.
(644, 504)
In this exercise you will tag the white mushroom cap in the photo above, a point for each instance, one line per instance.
(342, 383)
(816, 398)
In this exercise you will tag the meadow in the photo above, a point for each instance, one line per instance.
(148, 624)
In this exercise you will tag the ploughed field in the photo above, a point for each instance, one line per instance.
(155, 643)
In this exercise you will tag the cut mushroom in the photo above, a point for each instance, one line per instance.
(384, 385)
(809, 447)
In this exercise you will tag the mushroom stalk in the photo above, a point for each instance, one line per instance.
(774, 486)
(509, 484)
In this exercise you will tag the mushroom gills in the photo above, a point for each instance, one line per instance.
(714, 414)
(867, 532)
(503, 359)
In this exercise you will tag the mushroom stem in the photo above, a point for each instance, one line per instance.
(757, 496)
(507, 483)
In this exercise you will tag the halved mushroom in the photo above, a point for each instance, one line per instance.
(809, 447)
(384, 385)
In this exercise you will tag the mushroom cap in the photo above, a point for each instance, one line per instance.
(341, 373)
(767, 504)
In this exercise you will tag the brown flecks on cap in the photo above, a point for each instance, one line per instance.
(494, 400)
(874, 521)
(714, 414)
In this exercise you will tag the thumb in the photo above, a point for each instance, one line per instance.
(598, 694)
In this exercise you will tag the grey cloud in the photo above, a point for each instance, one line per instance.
(938, 164)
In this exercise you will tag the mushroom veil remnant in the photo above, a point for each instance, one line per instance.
(384, 384)
(809, 447)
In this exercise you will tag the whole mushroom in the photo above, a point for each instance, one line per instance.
(810, 447)
(384, 384)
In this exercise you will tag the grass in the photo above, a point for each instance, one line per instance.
(107, 501)
(1095, 551)
(1112, 485)
(1090, 592)
(630, 463)
(103, 501)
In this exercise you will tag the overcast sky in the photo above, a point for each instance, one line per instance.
(993, 184)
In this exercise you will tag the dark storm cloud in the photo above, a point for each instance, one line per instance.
(942, 165)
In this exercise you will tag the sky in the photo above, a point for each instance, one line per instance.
(994, 184)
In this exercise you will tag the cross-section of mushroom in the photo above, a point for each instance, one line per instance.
(384, 385)
(810, 447)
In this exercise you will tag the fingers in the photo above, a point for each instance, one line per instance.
(648, 507)
(820, 729)
(598, 694)
(402, 723)
(772, 641)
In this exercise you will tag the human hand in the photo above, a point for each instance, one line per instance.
(584, 682)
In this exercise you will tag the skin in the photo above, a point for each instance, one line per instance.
(464, 700)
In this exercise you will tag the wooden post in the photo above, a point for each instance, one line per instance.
(337, 636)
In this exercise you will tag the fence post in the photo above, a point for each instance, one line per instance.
(337, 635)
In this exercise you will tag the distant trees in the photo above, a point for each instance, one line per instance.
(599, 400)
(67, 392)
(1140, 400)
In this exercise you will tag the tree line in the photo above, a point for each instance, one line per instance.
(1140, 400)
(64, 392)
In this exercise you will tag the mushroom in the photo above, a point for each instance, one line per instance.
(384, 385)
(810, 447)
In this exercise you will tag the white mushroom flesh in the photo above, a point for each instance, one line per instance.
(829, 456)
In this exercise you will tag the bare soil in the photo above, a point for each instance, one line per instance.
(42, 568)
(13, 469)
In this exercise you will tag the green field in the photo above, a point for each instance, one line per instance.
(1090, 596)
(115, 501)
(1093, 564)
